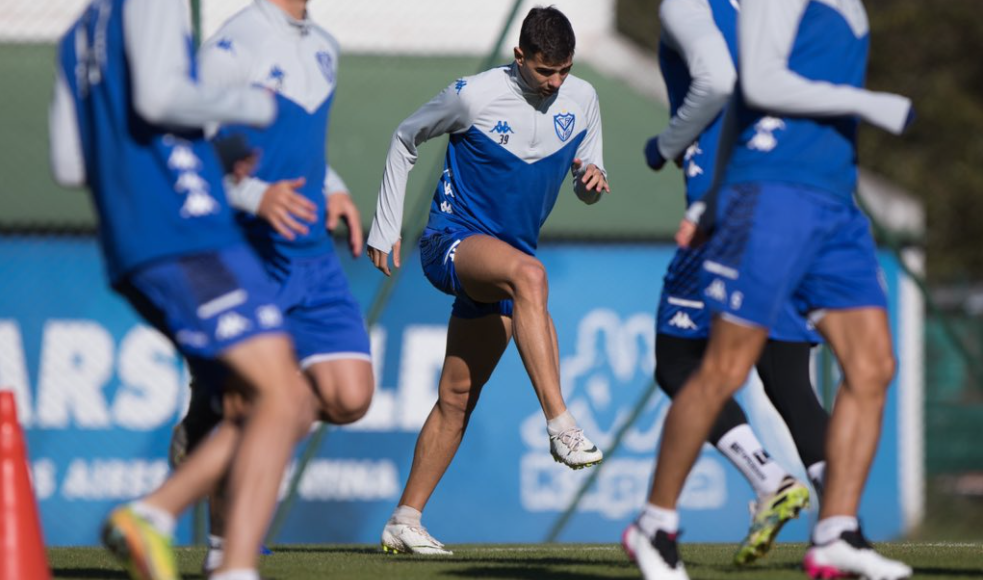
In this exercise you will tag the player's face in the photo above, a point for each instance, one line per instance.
(541, 76)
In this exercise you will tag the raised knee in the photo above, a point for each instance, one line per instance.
(530, 279)
(352, 404)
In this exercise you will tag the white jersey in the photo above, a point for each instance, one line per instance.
(509, 151)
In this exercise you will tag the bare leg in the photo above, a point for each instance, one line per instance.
(491, 270)
(474, 348)
(344, 388)
(731, 352)
(861, 340)
(199, 473)
(282, 414)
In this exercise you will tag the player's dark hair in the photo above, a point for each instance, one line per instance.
(547, 32)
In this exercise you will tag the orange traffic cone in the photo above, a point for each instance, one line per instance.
(22, 554)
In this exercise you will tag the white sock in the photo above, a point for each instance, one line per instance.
(743, 449)
(159, 518)
(406, 515)
(829, 529)
(241, 574)
(653, 518)
(215, 542)
(817, 475)
(560, 423)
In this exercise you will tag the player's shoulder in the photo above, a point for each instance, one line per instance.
(323, 35)
(579, 90)
(491, 81)
(245, 28)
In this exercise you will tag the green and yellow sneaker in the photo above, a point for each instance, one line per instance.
(767, 518)
(145, 552)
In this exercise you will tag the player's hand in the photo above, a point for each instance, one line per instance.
(243, 168)
(593, 178)
(381, 259)
(342, 208)
(685, 234)
(653, 157)
(285, 209)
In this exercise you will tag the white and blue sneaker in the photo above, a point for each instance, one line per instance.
(573, 449)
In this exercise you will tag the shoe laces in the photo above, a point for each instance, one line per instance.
(573, 438)
(423, 532)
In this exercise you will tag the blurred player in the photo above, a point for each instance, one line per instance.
(790, 229)
(515, 131)
(699, 38)
(286, 211)
(126, 121)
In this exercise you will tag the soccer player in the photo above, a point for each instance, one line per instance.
(788, 228)
(515, 131)
(126, 121)
(285, 205)
(695, 54)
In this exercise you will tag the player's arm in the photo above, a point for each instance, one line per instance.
(65, 147)
(164, 93)
(341, 207)
(688, 28)
(590, 179)
(767, 30)
(448, 112)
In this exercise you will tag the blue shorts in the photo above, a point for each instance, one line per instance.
(682, 312)
(777, 242)
(205, 304)
(437, 249)
(320, 312)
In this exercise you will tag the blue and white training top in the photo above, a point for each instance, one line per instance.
(508, 154)
(297, 60)
(126, 120)
(802, 72)
(696, 56)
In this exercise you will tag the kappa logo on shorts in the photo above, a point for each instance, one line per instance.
(717, 290)
(231, 325)
(269, 316)
(563, 123)
(682, 320)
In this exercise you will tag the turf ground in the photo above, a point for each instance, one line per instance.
(932, 561)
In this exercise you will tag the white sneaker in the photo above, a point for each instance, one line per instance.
(658, 558)
(574, 449)
(407, 539)
(216, 551)
(851, 555)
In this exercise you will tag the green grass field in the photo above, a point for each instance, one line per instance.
(937, 561)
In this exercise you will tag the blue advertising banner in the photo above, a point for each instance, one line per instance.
(99, 392)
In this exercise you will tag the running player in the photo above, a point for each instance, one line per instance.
(286, 207)
(790, 229)
(515, 131)
(695, 54)
(126, 121)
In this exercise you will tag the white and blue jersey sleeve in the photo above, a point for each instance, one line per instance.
(298, 62)
(696, 58)
(689, 30)
(509, 152)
